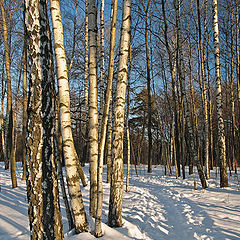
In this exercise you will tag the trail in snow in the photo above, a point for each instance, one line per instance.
(157, 207)
(168, 208)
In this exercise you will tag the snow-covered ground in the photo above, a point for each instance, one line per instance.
(157, 207)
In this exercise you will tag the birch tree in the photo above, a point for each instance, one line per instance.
(146, 12)
(44, 209)
(116, 190)
(10, 132)
(180, 64)
(204, 86)
(70, 154)
(24, 86)
(98, 228)
(221, 134)
(93, 106)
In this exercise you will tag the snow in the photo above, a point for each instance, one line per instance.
(157, 207)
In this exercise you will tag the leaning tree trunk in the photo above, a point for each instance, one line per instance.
(116, 190)
(221, 134)
(10, 132)
(70, 154)
(98, 227)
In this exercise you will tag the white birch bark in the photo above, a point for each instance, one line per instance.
(70, 154)
(204, 87)
(221, 134)
(98, 227)
(93, 106)
(43, 197)
(102, 68)
(86, 58)
(127, 116)
(116, 191)
(34, 123)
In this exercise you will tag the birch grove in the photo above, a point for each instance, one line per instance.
(102, 92)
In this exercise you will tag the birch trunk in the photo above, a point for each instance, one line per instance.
(127, 116)
(102, 67)
(146, 9)
(116, 190)
(59, 157)
(2, 122)
(237, 69)
(233, 162)
(70, 154)
(193, 148)
(98, 227)
(93, 108)
(210, 110)
(52, 222)
(204, 87)
(43, 197)
(24, 86)
(10, 139)
(221, 134)
(109, 145)
(173, 75)
(34, 124)
(86, 75)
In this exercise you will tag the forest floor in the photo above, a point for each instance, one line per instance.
(157, 207)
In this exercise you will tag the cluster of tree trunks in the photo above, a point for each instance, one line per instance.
(169, 125)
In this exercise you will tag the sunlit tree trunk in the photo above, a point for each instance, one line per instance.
(70, 154)
(74, 38)
(102, 62)
(43, 197)
(109, 145)
(10, 132)
(127, 116)
(24, 87)
(221, 134)
(52, 221)
(86, 77)
(116, 190)
(93, 106)
(59, 157)
(98, 227)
